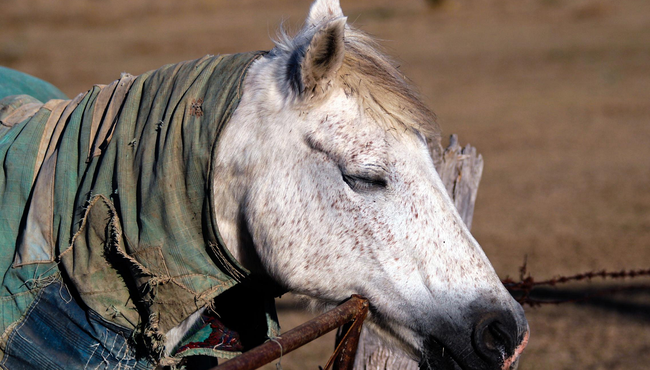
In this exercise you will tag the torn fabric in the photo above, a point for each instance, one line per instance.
(112, 190)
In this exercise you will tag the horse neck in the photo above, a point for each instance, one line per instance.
(235, 161)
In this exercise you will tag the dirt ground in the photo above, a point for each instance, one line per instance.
(554, 93)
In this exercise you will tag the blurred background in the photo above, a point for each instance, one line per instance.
(555, 94)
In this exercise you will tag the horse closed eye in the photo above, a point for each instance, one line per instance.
(364, 184)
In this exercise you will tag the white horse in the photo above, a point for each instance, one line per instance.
(326, 186)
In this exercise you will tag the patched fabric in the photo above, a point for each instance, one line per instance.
(57, 333)
(211, 333)
(112, 191)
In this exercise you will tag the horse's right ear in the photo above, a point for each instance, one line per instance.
(311, 69)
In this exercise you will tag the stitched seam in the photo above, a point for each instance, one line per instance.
(22, 322)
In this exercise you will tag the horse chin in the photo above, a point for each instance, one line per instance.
(313, 304)
(438, 357)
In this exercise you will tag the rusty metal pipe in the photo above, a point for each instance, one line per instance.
(348, 339)
(354, 308)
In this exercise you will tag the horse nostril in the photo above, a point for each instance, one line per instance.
(494, 338)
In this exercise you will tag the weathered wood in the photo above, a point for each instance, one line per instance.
(460, 169)
(374, 354)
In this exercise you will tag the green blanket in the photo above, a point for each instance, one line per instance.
(17, 83)
(112, 192)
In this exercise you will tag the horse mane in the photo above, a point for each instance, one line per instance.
(375, 79)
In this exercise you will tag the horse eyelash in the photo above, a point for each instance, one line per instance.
(362, 184)
(358, 183)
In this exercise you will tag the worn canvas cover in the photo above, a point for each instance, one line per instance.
(110, 192)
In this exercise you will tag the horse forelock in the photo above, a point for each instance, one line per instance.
(372, 77)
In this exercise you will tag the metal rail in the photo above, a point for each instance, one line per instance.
(354, 309)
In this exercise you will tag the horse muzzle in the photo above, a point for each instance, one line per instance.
(494, 342)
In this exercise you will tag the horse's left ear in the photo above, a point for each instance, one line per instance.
(321, 61)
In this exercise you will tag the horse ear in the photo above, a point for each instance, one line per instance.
(322, 59)
(322, 11)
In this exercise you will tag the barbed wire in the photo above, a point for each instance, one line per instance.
(523, 288)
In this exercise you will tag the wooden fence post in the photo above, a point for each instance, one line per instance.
(460, 169)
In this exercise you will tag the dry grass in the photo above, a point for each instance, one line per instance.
(554, 93)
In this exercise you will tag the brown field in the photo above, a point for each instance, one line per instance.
(554, 93)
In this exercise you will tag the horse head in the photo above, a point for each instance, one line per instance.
(324, 183)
